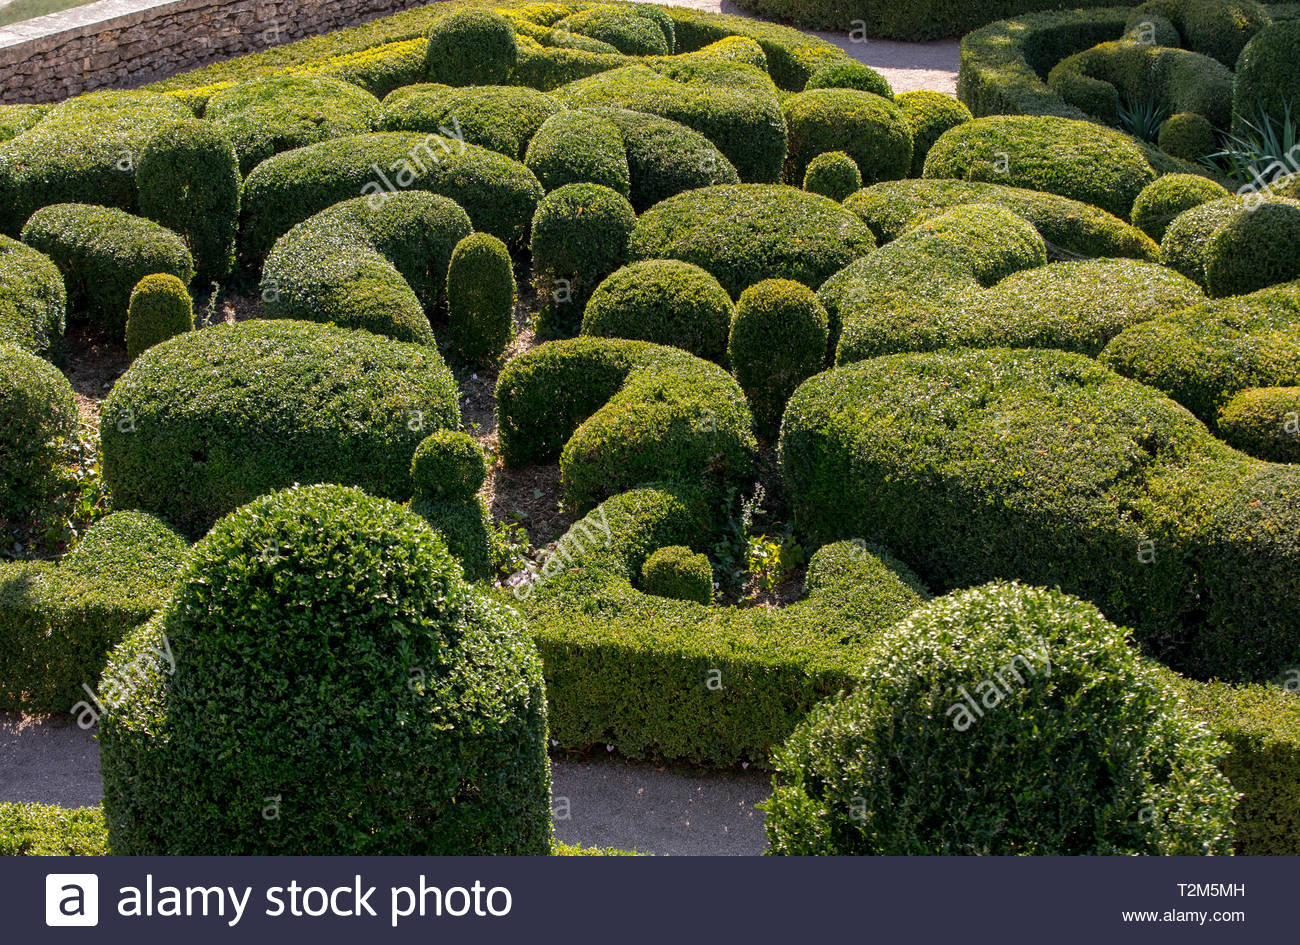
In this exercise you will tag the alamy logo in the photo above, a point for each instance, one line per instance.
(72, 899)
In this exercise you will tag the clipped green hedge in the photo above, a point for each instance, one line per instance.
(437, 733)
(1075, 159)
(1236, 244)
(1186, 135)
(447, 471)
(378, 263)
(832, 174)
(870, 129)
(670, 679)
(751, 232)
(1267, 75)
(575, 147)
(499, 194)
(1264, 422)
(103, 252)
(1046, 467)
(664, 301)
(1068, 227)
(37, 411)
(59, 622)
(630, 31)
(471, 47)
(929, 114)
(160, 307)
(48, 830)
(1095, 753)
(617, 414)
(1165, 198)
(778, 340)
(499, 118)
(33, 302)
(1217, 28)
(678, 573)
(15, 119)
(849, 74)
(481, 295)
(209, 420)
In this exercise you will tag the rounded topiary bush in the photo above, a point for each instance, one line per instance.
(834, 175)
(160, 307)
(33, 302)
(577, 146)
(102, 253)
(338, 688)
(1217, 28)
(499, 118)
(629, 31)
(480, 298)
(1166, 197)
(188, 179)
(208, 420)
(870, 129)
(37, 410)
(849, 75)
(471, 47)
(678, 573)
(778, 340)
(580, 235)
(1186, 135)
(930, 114)
(1255, 248)
(1268, 74)
(448, 466)
(665, 301)
(1265, 422)
(1002, 720)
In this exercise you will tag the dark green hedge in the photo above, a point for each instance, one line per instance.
(481, 295)
(378, 263)
(618, 414)
(59, 623)
(678, 573)
(575, 147)
(1264, 422)
(929, 114)
(33, 302)
(499, 118)
(1218, 28)
(630, 31)
(103, 252)
(1186, 135)
(751, 232)
(37, 412)
(211, 419)
(1267, 73)
(499, 194)
(428, 738)
(849, 75)
(1046, 467)
(870, 129)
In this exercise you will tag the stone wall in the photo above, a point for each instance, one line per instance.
(126, 43)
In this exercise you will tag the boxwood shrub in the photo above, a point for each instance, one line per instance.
(1167, 197)
(832, 174)
(33, 302)
(1218, 28)
(160, 307)
(778, 340)
(50, 830)
(665, 301)
(38, 410)
(1186, 135)
(929, 114)
(378, 263)
(618, 414)
(1075, 159)
(630, 31)
(1267, 74)
(447, 471)
(1254, 248)
(1264, 422)
(480, 299)
(870, 129)
(61, 621)
(378, 69)
(1100, 755)
(751, 232)
(1047, 467)
(678, 573)
(15, 119)
(471, 47)
(849, 74)
(437, 738)
(499, 194)
(499, 118)
(208, 420)
(103, 252)
(577, 146)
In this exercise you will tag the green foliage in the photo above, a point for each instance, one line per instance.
(580, 235)
(772, 562)
(33, 303)
(832, 174)
(102, 253)
(1264, 149)
(1255, 248)
(630, 31)
(499, 118)
(747, 233)
(49, 830)
(1046, 467)
(849, 75)
(499, 194)
(1186, 135)
(619, 413)
(1096, 754)
(15, 119)
(1142, 116)
(1217, 28)
(929, 114)
(1075, 159)
(37, 411)
(577, 146)
(160, 307)
(1264, 422)
(666, 302)
(678, 573)
(778, 340)
(1268, 72)
(436, 732)
(480, 299)
(211, 419)
(1165, 198)
(471, 47)
(189, 181)
(466, 527)
(870, 129)
(448, 466)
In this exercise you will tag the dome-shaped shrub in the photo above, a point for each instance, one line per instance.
(36, 410)
(1268, 74)
(930, 114)
(778, 340)
(678, 573)
(580, 235)
(1256, 248)
(849, 75)
(834, 175)
(471, 47)
(160, 307)
(448, 465)
(665, 301)
(1265, 422)
(1217, 28)
(629, 31)
(577, 146)
(1186, 135)
(499, 118)
(1166, 197)
(337, 689)
(870, 129)
(1002, 720)
(480, 298)
(33, 302)
(1186, 237)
